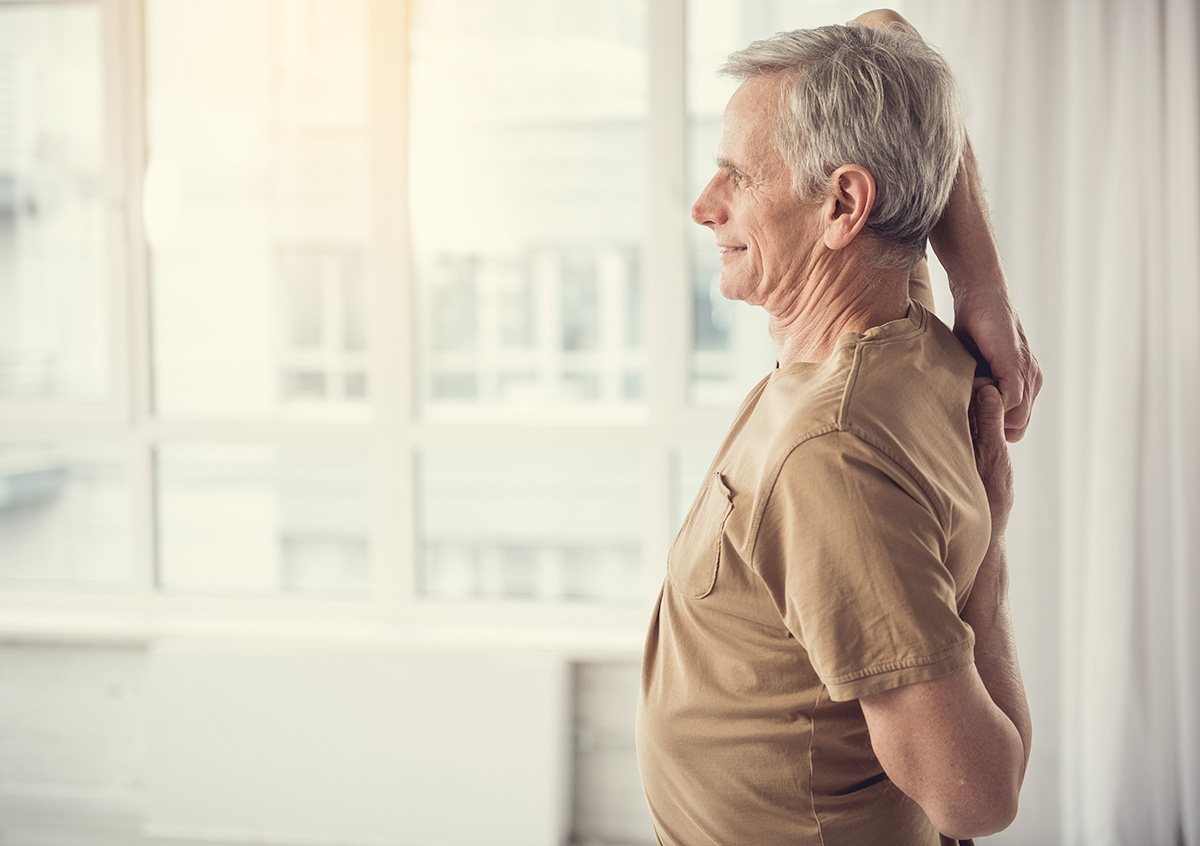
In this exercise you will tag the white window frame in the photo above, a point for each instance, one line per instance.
(395, 434)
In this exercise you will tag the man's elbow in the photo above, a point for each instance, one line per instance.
(977, 812)
(881, 17)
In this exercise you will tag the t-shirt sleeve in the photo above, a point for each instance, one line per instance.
(853, 554)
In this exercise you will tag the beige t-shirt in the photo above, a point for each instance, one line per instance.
(827, 556)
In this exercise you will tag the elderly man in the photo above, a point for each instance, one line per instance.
(831, 659)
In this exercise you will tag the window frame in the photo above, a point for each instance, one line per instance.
(397, 429)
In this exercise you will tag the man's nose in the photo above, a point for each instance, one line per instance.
(708, 210)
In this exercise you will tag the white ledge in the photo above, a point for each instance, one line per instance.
(583, 643)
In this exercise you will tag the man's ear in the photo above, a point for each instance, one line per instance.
(849, 206)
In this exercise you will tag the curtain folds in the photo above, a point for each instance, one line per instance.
(1131, 273)
(1086, 116)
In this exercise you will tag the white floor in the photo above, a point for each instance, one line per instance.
(33, 828)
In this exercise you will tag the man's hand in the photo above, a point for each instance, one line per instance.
(991, 452)
(986, 321)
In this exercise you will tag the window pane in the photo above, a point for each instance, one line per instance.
(54, 301)
(65, 514)
(730, 347)
(250, 519)
(688, 469)
(527, 149)
(545, 525)
(258, 206)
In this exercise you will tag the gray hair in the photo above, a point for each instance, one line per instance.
(880, 98)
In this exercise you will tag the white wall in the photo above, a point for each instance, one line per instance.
(72, 745)
(94, 742)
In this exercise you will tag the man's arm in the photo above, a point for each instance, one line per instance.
(958, 745)
(987, 610)
(983, 312)
(984, 316)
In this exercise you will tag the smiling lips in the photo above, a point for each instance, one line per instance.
(726, 250)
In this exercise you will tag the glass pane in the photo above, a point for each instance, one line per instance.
(730, 347)
(54, 298)
(545, 525)
(250, 519)
(258, 206)
(65, 514)
(527, 143)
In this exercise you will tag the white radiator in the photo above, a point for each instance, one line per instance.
(285, 745)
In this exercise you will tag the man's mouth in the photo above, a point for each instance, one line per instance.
(727, 250)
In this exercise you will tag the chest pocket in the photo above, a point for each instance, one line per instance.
(694, 557)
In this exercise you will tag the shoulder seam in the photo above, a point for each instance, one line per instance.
(756, 521)
(852, 376)
(848, 390)
(859, 435)
(906, 466)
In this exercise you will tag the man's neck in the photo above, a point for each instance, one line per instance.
(806, 322)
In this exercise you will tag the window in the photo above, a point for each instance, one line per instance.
(258, 212)
(65, 514)
(528, 136)
(550, 525)
(262, 520)
(55, 307)
(350, 311)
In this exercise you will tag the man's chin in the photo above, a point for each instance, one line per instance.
(732, 288)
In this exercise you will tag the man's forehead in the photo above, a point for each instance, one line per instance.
(748, 117)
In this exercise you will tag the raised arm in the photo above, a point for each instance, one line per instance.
(984, 317)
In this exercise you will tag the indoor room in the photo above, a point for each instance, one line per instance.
(361, 360)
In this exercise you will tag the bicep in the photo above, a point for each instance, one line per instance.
(921, 731)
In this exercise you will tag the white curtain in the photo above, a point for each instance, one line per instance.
(1086, 114)
(1130, 463)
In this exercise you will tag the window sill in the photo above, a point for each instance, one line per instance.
(617, 640)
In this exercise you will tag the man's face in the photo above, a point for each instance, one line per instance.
(767, 237)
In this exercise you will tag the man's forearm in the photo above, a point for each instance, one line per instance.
(963, 239)
(987, 613)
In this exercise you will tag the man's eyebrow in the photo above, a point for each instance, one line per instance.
(726, 164)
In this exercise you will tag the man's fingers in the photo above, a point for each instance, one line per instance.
(991, 454)
(1016, 406)
(1016, 417)
(1016, 421)
(1014, 433)
(989, 432)
(1012, 389)
(989, 413)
